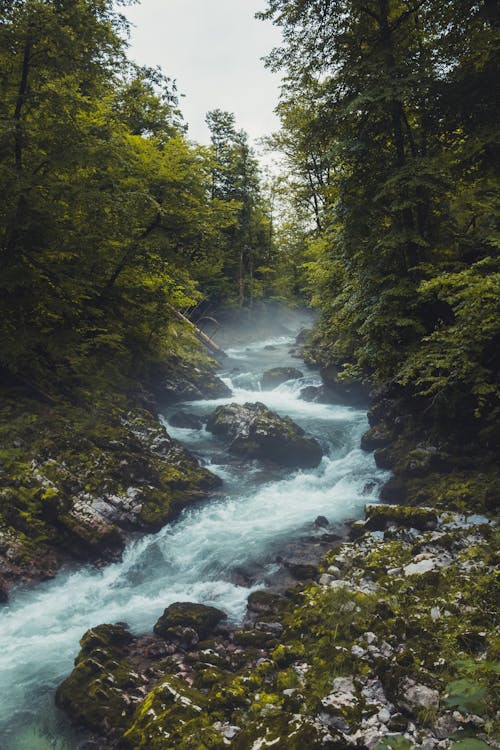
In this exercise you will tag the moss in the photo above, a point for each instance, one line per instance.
(202, 618)
(254, 639)
(98, 692)
(167, 718)
(378, 517)
(56, 460)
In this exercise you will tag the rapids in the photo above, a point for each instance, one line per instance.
(206, 555)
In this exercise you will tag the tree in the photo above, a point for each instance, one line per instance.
(400, 93)
(236, 182)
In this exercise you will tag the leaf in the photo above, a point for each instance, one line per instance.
(470, 743)
(399, 742)
(466, 695)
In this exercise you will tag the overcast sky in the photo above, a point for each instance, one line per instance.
(212, 48)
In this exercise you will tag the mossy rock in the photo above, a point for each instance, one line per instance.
(200, 617)
(377, 437)
(379, 517)
(286, 731)
(167, 717)
(266, 602)
(255, 431)
(100, 690)
(254, 639)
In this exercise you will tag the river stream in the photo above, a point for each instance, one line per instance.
(212, 554)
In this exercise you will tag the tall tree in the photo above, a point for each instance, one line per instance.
(401, 93)
(236, 180)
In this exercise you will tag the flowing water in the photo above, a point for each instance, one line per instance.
(205, 556)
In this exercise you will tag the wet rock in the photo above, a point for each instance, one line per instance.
(300, 570)
(103, 688)
(265, 602)
(3, 590)
(312, 393)
(277, 375)
(321, 522)
(178, 380)
(186, 420)
(257, 432)
(378, 436)
(379, 517)
(201, 618)
(349, 393)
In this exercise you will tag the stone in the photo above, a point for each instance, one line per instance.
(416, 696)
(417, 568)
(380, 516)
(276, 628)
(255, 431)
(325, 579)
(300, 570)
(321, 522)
(265, 602)
(277, 375)
(343, 695)
(201, 618)
(378, 436)
(177, 380)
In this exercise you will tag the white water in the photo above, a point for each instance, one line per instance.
(258, 509)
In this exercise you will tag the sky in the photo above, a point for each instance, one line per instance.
(213, 50)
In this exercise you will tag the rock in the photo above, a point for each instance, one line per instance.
(357, 529)
(277, 375)
(300, 570)
(276, 628)
(265, 602)
(254, 639)
(349, 393)
(379, 517)
(378, 436)
(342, 696)
(416, 696)
(199, 617)
(325, 579)
(417, 568)
(101, 691)
(312, 393)
(3, 590)
(186, 420)
(257, 432)
(179, 380)
(321, 522)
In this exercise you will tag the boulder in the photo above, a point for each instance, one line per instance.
(257, 432)
(101, 691)
(349, 393)
(378, 436)
(179, 380)
(182, 615)
(277, 375)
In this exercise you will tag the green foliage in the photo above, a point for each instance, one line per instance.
(399, 742)
(388, 131)
(466, 695)
(470, 743)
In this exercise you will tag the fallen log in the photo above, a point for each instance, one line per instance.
(209, 343)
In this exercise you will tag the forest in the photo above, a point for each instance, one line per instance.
(383, 219)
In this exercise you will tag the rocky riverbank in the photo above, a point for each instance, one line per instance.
(80, 471)
(392, 645)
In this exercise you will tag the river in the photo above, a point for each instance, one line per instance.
(208, 555)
